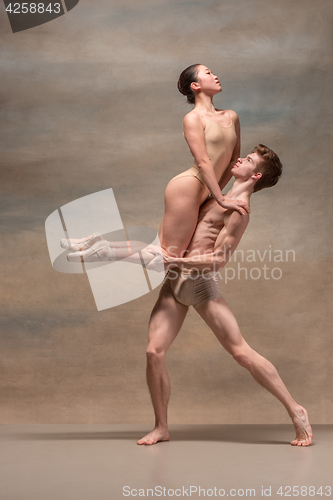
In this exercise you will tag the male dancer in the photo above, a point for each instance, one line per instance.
(193, 281)
(217, 235)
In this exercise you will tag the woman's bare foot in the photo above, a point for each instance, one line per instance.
(302, 427)
(155, 436)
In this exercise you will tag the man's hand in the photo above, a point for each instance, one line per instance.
(238, 205)
(153, 258)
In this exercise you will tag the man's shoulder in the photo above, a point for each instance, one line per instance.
(236, 222)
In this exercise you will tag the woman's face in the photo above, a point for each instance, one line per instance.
(207, 81)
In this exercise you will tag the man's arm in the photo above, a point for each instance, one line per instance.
(226, 243)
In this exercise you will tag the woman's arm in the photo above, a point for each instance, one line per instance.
(226, 176)
(195, 138)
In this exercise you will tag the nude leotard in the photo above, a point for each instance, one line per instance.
(220, 142)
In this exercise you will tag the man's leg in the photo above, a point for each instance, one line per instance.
(222, 322)
(165, 322)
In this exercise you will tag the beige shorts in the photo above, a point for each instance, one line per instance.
(189, 288)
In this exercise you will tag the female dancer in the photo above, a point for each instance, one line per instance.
(214, 139)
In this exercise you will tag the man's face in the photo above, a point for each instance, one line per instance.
(244, 167)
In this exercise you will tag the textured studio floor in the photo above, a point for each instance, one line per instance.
(103, 462)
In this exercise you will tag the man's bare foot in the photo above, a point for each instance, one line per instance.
(302, 428)
(155, 436)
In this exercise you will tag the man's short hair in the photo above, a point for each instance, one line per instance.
(269, 166)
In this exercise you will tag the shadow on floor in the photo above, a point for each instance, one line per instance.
(251, 434)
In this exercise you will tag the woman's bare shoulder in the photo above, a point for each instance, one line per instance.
(193, 119)
(234, 115)
(231, 112)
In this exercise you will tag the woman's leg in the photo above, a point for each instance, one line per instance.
(136, 252)
(183, 197)
(82, 244)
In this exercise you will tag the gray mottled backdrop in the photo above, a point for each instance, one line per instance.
(89, 102)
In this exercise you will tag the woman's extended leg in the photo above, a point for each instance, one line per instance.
(183, 197)
(76, 245)
(136, 252)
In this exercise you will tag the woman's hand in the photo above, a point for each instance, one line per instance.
(238, 205)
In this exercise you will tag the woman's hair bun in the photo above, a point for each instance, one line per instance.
(188, 76)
